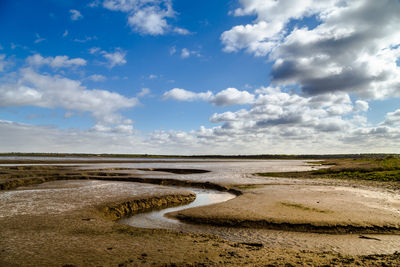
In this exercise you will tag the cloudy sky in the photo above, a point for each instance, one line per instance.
(200, 77)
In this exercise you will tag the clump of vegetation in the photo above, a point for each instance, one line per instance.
(249, 186)
(375, 169)
(302, 207)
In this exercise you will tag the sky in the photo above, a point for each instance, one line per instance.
(190, 77)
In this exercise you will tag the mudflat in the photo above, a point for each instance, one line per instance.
(315, 208)
(68, 217)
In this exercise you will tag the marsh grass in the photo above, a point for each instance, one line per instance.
(384, 170)
(249, 186)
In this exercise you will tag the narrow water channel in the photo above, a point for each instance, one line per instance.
(157, 218)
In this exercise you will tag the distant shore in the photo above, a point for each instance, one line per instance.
(260, 156)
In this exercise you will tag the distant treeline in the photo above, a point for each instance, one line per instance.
(262, 156)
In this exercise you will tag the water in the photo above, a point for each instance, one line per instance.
(158, 218)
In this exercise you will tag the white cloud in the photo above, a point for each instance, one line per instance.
(147, 16)
(37, 40)
(65, 34)
(95, 3)
(75, 14)
(361, 105)
(55, 62)
(392, 118)
(280, 121)
(116, 58)
(149, 20)
(94, 50)
(172, 50)
(181, 31)
(86, 39)
(232, 96)
(143, 92)
(29, 138)
(229, 96)
(184, 95)
(350, 50)
(3, 62)
(97, 78)
(119, 129)
(185, 53)
(34, 89)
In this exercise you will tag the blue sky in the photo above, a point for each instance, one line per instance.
(199, 77)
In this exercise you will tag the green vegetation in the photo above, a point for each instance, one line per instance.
(384, 170)
(249, 186)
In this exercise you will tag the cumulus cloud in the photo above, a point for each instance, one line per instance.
(229, 96)
(55, 62)
(75, 14)
(116, 58)
(147, 16)
(34, 89)
(279, 120)
(361, 105)
(185, 53)
(184, 95)
(232, 96)
(353, 49)
(392, 118)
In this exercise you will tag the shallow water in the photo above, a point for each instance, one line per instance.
(157, 218)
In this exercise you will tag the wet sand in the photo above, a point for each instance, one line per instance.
(72, 222)
(312, 208)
